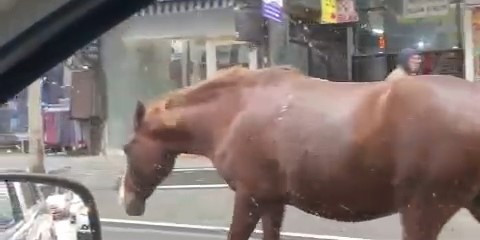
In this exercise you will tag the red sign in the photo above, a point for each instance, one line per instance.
(381, 42)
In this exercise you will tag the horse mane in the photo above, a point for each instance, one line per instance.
(225, 78)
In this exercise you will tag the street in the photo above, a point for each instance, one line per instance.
(212, 207)
(122, 233)
(143, 234)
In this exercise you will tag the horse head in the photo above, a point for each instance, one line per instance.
(181, 122)
(150, 155)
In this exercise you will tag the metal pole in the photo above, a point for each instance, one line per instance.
(211, 58)
(253, 57)
(468, 46)
(35, 129)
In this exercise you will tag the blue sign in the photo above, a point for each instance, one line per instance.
(273, 9)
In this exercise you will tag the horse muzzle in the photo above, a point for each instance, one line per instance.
(134, 205)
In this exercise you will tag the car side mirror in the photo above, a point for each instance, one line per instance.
(36, 206)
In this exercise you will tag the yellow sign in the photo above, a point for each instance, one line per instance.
(329, 11)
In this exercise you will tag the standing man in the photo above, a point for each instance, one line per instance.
(408, 64)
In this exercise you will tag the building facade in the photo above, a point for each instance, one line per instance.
(363, 44)
(172, 44)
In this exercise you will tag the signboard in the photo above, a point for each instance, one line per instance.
(338, 11)
(273, 9)
(329, 11)
(425, 8)
(472, 2)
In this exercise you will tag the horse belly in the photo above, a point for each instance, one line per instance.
(345, 203)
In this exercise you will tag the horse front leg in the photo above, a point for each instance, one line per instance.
(423, 220)
(272, 218)
(245, 216)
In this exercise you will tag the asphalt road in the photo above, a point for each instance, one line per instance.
(213, 207)
(193, 177)
(122, 233)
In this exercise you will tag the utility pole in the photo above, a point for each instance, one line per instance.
(35, 128)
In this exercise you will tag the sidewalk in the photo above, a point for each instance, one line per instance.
(96, 172)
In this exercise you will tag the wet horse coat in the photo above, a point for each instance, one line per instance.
(343, 151)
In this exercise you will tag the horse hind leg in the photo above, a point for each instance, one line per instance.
(424, 220)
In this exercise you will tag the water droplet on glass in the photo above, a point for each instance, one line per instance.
(254, 201)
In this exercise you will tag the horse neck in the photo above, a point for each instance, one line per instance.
(208, 122)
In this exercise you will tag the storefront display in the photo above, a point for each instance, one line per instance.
(387, 27)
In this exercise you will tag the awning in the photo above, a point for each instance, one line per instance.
(182, 6)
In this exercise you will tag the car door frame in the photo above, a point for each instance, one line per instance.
(55, 37)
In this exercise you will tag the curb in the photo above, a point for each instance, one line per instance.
(199, 229)
(61, 170)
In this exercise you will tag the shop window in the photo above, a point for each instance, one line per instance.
(369, 32)
(187, 64)
(298, 54)
(382, 28)
(232, 55)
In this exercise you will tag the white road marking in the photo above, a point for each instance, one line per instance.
(121, 191)
(195, 186)
(194, 169)
(223, 229)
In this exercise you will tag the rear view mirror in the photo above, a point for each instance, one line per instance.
(46, 207)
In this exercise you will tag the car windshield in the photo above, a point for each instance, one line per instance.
(18, 15)
(327, 109)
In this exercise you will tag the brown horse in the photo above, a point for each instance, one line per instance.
(343, 151)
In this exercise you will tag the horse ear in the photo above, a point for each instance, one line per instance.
(139, 114)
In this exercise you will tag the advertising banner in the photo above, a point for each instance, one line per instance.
(338, 11)
(273, 10)
(425, 8)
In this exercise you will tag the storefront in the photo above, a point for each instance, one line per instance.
(386, 27)
(315, 37)
(358, 40)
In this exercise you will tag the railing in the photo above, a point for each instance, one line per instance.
(161, 7)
